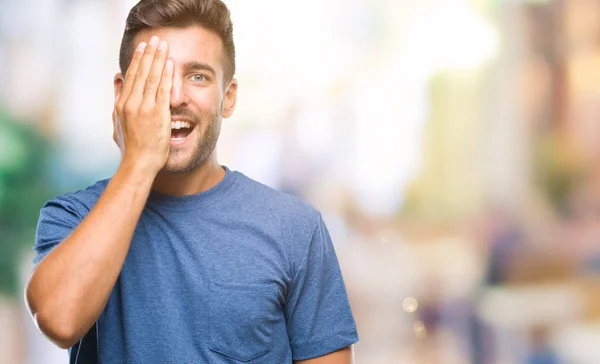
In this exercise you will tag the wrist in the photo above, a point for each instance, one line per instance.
(135, 172)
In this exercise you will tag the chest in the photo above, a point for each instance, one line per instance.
(219, 283)
(194, 252)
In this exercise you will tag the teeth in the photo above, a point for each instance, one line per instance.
(180, 124)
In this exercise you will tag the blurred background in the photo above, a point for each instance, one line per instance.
(453, 147)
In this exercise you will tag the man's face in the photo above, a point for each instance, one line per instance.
(199, 97)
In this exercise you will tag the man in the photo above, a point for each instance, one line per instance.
(177, 259)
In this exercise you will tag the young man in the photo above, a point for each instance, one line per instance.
(177, 259)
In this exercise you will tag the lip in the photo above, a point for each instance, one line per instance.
(176, 143)
(182, 118)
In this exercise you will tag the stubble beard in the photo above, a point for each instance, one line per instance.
(178, 162)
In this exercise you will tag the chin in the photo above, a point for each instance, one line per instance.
(178, 168)
(184, 161)
(182, 165)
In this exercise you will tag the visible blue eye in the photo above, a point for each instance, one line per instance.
(198, 77)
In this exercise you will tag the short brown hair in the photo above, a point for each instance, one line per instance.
(209, 14)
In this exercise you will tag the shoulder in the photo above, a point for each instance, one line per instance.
(78, 202)
(296, 220)
(289, 209)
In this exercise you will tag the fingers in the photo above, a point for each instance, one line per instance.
(147, 80)
(143, 71)
(163, 96)
(156, 72)
(131, 73)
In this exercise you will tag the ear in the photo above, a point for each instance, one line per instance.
(117, 127)
(118, 85)
(230, 98)
(118, 131)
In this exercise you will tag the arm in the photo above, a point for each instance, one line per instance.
(343, 356)
(321, 327)
(69, 288)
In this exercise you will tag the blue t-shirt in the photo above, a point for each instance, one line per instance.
(238, 273)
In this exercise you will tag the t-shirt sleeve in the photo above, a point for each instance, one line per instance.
(58, 218)
(317, 309)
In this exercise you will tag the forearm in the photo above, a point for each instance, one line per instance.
(70, 287)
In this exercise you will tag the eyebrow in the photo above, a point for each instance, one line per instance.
(196, 66)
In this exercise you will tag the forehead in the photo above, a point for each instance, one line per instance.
(190, 44)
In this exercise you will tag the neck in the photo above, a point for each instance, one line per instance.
(202, 178)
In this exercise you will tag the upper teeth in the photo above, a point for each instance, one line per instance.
(180, 124)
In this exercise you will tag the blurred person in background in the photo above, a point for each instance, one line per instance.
(177, 258)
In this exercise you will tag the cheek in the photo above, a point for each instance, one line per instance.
(207, 100)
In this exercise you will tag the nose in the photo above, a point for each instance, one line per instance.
(178, 94)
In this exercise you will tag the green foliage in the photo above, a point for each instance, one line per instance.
(24, 187)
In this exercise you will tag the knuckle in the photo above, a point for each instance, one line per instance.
(130, 75)
(153, 80)
(163, 89)
(129, 108)
(146, 109)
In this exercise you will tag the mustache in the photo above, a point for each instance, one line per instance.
(184, 112)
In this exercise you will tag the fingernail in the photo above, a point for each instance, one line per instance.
(141, 47)
(153, 40)
(162, 45)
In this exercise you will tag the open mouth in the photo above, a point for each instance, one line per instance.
(180, 130)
